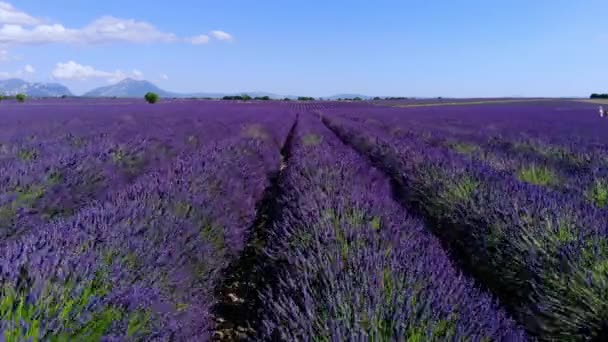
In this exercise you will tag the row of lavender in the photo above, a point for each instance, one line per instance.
(67, 170)
(352, 265)
(583, 175)
(565, 123)
(143, 262)
(52, 128)
(542, 252)
(573, 163)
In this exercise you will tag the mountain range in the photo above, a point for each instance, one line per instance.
(126, 88)
(14, 86)
(138, 88)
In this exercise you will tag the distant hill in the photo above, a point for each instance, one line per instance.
(128, 88)
(138, 88)
(16, 86)
(349, 96)
(220, 95)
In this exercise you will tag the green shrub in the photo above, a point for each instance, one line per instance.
(151, 97)
(461, 190)
(598, 193)
(311, 139)
(255, 131)
(462, 147)
(538, 175)
(20, 97)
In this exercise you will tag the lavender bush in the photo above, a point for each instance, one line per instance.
(540, 251)
(354, 266)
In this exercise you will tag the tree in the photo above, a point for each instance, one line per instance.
(151, 97)
(377, 98)
(243, 97)
(598, 96)
(20, 97)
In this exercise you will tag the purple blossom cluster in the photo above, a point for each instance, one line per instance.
(50, 174)
(571, 162)
(353, 265)
(542, 252)
(143, 262)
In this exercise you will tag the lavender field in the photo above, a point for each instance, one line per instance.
(192, 220)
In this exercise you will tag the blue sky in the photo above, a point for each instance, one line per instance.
(315, 48)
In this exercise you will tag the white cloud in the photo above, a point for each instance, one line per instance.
(23, 72)
(17, 27)
(138, 75)
(11, 15)
(6, 56)
(102, 30)
(164, 77)
(199, 40)
(74, 71)
(109, 28)
(221, 35)
(11, 33)
(205, 38)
